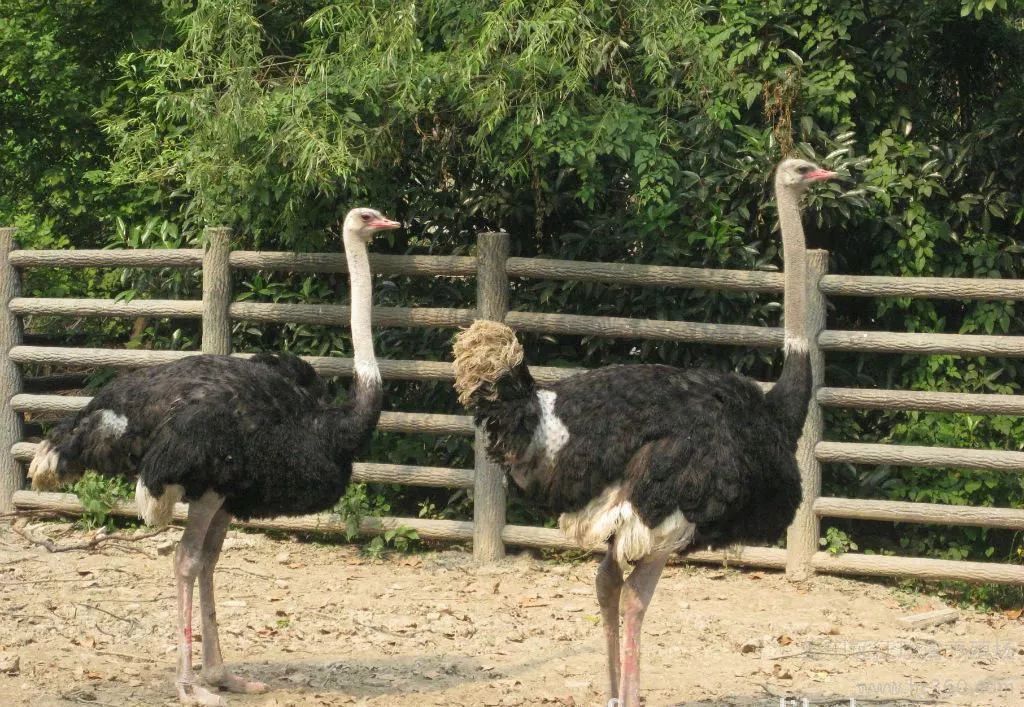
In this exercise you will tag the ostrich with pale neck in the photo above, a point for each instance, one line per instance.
(650, 459)
(234, 437)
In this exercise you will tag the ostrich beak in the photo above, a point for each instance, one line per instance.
(383, 224)
(819, 175)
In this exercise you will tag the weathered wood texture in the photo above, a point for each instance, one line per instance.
(895, 342)
(907, 455)
(115, 358)
(652, 275)
(621, 327)
(444, 477)
(802, 535)
(405, 474)
(906, 512)
(10, 374)
(922, 287)
(216, 292)
(337, 315)
(55, 306)
(416, 265)
(142, 258)
(871, 399)
(446, 530)
(414, 422)
(489, 501)
(918, 568)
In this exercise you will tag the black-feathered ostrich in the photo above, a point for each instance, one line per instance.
(234, 437)
(650, 459)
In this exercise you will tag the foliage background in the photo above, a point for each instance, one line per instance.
(631, 131)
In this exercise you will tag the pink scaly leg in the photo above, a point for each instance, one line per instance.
(214, 671)
(636, 597)
(609, 590)
(187, 564)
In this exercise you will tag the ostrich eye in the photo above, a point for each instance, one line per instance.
(365, 217)
(804, 169)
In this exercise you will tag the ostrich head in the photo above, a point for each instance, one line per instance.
(364, 223)
(798, 174)
(484, 352)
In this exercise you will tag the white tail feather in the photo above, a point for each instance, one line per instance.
(43, 469)
(609, 514)
(157, 510)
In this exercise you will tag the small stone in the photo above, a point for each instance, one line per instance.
(282, 558)
(750, 645)
(165, 547)
(10, 664)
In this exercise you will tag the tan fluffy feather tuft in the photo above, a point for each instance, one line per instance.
(484, 353)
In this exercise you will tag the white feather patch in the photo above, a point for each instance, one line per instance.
(112, 423)
(43, 469)
(368, 371)
(157, 510)
(610, 514)
(798, 346)
(551, 433)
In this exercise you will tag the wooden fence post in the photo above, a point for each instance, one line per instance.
(489, 482)
(217, 291)
(803, 533)
(10, 374)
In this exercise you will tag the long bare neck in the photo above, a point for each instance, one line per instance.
(366, 383)
(794, 256)
(792, 392)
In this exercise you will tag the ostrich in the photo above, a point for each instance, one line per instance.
(243, 438)
(650, 459)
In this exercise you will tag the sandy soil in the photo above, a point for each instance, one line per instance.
(326, 626)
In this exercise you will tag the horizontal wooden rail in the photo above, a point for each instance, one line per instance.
(462, 531)
(443, 477)
(416, 422)
(324, 365)
(871, 399)
(907, 455)
(117, 358)
(183, 309)
(128, 258)
(918, 568)
(922, 287)
(622, 327)
(337, 315)
(424, 265)
(444, 530)
(907, 512)
(634, 274)
(898, 342)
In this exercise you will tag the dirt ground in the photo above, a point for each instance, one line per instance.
(326, 626)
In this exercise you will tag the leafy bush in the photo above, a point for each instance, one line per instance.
(98, 495)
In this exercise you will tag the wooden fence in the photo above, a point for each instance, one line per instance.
(493, 269)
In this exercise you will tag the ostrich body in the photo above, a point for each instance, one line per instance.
(650, 459)
(234, 437)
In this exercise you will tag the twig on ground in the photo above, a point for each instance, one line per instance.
(95, 541)
(245, 571)
(108, 613)
(125, 655)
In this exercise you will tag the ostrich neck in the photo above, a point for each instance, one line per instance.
(361, 287)
(794, 256)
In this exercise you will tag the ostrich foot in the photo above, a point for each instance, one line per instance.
(220, 677)
(192, 694)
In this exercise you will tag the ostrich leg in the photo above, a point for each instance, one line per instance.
(214, 671)
(188, 562)
(636, 597)
(609, 590)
